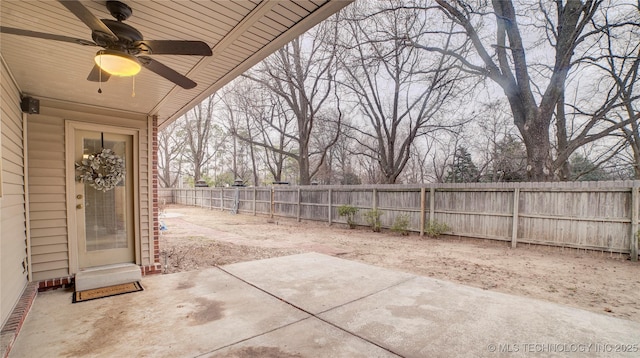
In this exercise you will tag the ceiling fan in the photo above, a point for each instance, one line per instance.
(124, 49)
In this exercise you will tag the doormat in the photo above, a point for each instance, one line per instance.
(93, 294)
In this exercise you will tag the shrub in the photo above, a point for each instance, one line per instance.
(350, 212)
(435, 228)
(373, 219)
(401, 224)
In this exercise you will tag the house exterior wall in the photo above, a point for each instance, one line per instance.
(13, 254)
(50, 246)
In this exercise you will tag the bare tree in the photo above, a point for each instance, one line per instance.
(261, 119)
(342, 163)
(497, 147)
(301, 75)
(171, 141)
(244, 109)
(399, 90)
(535, 89)
(608, 68)
(442, 157)
(199, 129)
(618, 62)
(417, 168)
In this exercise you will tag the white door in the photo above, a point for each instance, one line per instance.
(105, 219)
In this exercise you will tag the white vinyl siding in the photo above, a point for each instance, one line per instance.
(12, 214)
(47, 201)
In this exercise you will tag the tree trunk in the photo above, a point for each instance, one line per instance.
(535, 134)
(303, 166)
(563, 170)
(196, 173)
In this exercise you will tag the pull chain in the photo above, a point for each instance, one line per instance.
(100, 77)
(133, 89)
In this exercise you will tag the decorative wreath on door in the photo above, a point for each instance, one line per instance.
(102, 171)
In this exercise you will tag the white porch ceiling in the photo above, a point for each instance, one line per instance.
(240, 34)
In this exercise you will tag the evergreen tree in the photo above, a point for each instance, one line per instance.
(583, 169)
(509, 161)
(463, 170)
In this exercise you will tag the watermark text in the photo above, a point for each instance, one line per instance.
(563, 348)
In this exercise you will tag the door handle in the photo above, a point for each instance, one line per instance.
(79, 206)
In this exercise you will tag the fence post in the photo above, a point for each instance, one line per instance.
(634, 222)
(423, 204)
(330, 205)
(299, 206)
(221, 199)
(210, 199)
(254, 200)
(375, 199)
(516, 213)
(272, 206)
(432, 204)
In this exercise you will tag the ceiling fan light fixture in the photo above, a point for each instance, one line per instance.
(118, 63)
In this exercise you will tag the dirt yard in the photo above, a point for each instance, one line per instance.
(603, 283)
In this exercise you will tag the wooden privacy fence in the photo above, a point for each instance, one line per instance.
(593, 215)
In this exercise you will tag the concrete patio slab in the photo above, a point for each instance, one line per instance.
(316, 282)
(312, 305)
(307, 338)
(178, 315)
(426, 317)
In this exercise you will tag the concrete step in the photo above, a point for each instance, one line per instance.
(103, 276)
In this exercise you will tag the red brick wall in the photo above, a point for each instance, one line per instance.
(11, 328)
(55, 283)
(154, 178)
(151, 269)
(65, 282)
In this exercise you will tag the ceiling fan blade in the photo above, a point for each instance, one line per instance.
(42, 35)
(94, 75)
(174, 47)
(87, 17)
(166, 72)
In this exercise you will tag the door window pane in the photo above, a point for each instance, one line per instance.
(105, 212)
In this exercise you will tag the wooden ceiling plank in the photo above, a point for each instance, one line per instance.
(306, 4)
(298, 10)
(277, 17)
(286, 12)
(250, 40)
(273, 24)
(266, 31)
(226, 9)
(156, 24)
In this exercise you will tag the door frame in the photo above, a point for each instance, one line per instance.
(70, 172)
